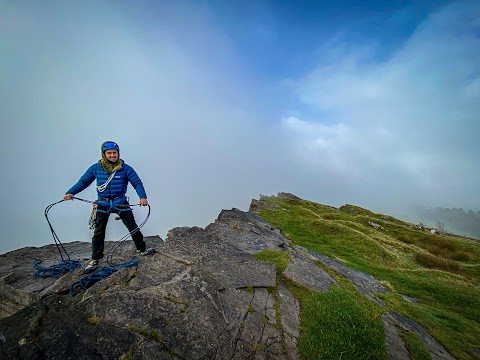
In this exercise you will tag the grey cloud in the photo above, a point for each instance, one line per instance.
(412, 120)
(180, 107)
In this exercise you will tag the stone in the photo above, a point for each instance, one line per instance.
(248, 231)
(12, 300)
(436, 350)
(375, 225)
(365, 283)
(396, 348)
(305, 272)
(202, 295)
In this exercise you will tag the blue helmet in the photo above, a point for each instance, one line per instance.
(110, 145)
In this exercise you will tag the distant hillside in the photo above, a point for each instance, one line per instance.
(455, 220)
(433, 279)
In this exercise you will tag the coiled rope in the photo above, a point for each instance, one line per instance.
(90, 280)
(68, 265)
(63, 266)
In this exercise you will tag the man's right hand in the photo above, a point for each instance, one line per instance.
(68, 197)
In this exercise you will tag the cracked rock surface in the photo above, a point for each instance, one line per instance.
(202, 295)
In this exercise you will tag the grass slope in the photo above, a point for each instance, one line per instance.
(441, 272)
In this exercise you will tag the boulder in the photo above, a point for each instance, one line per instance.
(200, 296)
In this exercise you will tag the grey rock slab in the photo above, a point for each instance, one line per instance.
(290, 320)
(247, 231)
(18, 264)
(119, 278)
(55, 330)
(365, 283)
(396, 349)
(193, 318)
(228, 264)
(305, 272)
(289, 310)
(290, 196)
(436, 350)
(200, 296)
(13, 300)
(239, 300)
(258, 334)
(258, 205)
(152, 350)
(188, 319)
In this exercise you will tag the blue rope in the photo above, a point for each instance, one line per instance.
(55, 270)
(90, 280)
(68, 265)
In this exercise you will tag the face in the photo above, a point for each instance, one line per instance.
(111, 155)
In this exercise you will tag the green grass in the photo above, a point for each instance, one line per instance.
(279, 258)
(148, 334)
(94, 320)
(415, 346)
(333, 332)
(328, 332)
(441, 272)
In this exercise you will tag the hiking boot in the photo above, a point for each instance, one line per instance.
(147, 252)
(92, 265)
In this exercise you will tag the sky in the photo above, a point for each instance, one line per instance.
(372, 103)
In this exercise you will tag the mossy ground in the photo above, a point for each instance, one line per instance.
(441, 272)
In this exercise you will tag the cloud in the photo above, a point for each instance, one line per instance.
(195, 118)
(403, 127)
(167, 87)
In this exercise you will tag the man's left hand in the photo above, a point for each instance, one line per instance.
(143, 202)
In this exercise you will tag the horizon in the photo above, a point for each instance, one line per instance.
(426, 223)
(215, 103)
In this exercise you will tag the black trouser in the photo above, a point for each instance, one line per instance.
(98, 239)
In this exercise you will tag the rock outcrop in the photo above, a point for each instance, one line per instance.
(202, 295)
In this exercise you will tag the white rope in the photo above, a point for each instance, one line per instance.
(103, 187)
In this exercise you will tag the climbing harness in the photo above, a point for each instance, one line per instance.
(111, 206)
(68, 265)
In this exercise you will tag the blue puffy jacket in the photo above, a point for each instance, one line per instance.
(118, 185)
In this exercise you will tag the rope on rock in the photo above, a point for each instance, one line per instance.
(125, 237)
(63, 266)
(90, 280)
(68, 265)
(55, 270)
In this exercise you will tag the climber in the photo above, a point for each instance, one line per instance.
(112, 176)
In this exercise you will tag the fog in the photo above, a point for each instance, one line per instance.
(205, 133)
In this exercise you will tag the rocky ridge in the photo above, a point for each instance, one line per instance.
(201, 296)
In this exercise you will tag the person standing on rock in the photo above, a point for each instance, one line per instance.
(113, 176)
